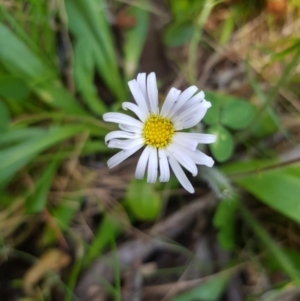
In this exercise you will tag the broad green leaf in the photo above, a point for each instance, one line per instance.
(211, 290)
(223, 148)
(14, 88)
(278, 188)
(246, 167)
(237, 114)
(224, 221)
(144, 202)
(132, 49)
(213, 113)
(4, 117)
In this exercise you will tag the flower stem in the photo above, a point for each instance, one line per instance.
(200, 22)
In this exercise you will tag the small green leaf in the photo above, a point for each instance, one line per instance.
(222, 149)
(237, 114)
(4, 117)
(213, 113)
(143, 201)
(224, 220)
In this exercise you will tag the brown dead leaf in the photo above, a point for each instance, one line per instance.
(51, 261)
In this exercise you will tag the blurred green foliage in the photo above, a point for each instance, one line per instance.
(226, 111)
(54, 60)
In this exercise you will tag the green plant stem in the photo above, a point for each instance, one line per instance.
(200, 22)
(273, 247)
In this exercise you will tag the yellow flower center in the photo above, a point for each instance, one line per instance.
(158, 131)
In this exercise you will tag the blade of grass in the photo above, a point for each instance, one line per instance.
(36, 202)
(271, 245)
(269, 98)
(116, 266)
(107, 229)
(200, 22)
(132, 49)
(41, 77)
(14, 158)
(88, 24)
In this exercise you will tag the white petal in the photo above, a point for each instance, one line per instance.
(131, 129)
(183, 158)
(169, 102)
(180, 174)
(152, 92)
(197, 98)
(185, 142)
(201, 158)
(142, 163)
(163, 166)
(202, 104)
(200, 138)
(125, 144)
(152, 166)
(121, 156)
(183, 98)
(196, 156)
(122, 119)
(120, 134)
(185, 124)
(138, 96)
(185, 115)
(141, 80)
(135, 109)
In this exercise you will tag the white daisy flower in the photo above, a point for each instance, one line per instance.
(159, 131)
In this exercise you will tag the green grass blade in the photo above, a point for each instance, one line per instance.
(89, 26)
(41, 77)
(37, 201)
(14, 158)
(132, 48)
(271, 245)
